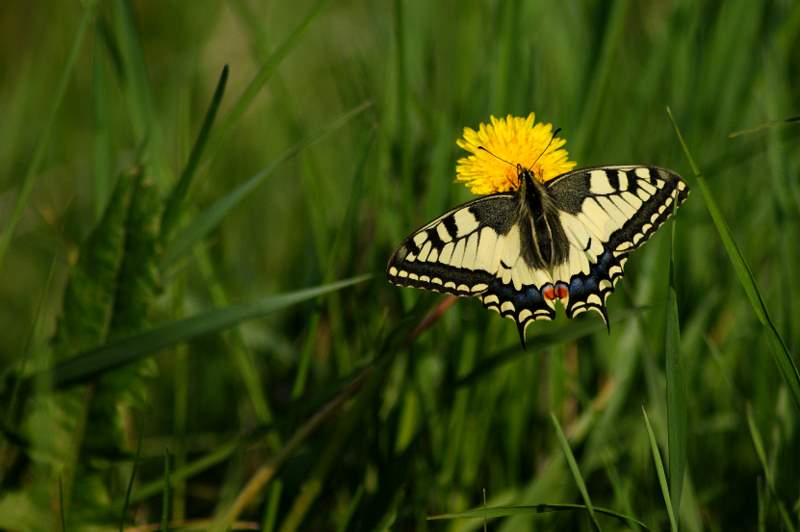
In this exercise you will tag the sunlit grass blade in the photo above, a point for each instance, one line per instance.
(676, 390)
(662, 477)
(783, 358)
(93, 362)
(262, 76)
(506, 511)
(209, 219)
(576, 472)
(32, 173)
(173, 203)
(758, 445)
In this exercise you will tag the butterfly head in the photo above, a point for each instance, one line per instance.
(525, 177)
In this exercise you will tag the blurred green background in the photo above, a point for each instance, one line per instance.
(338, 412)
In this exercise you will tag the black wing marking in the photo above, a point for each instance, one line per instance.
(607, 213)
(522, 303)
(459, 252)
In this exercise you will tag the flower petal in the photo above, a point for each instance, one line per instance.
(511, 141)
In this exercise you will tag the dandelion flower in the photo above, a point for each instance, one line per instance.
(517, 140)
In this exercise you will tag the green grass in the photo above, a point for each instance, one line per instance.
(181, 245)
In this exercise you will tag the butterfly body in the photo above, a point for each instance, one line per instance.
(521, 251)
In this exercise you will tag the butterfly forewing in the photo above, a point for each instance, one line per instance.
(459, 252)
(608, 212)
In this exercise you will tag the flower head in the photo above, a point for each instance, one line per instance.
(517, 140)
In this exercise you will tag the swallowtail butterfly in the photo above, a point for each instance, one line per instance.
(520, 251)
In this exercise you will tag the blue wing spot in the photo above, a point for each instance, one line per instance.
(529, 297)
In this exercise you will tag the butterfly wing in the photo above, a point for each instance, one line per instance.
(460, 251)
(607, 212)
(475, 250)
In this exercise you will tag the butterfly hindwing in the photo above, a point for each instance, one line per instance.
(608, 212)
(459, 252)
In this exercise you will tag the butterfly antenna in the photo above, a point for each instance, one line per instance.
(496, 156)
(552, 138)
(500, 159)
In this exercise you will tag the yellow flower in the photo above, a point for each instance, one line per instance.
(517, 140)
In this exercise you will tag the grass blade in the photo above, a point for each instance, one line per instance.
(61, 514)
(218, 455)
(762, 514)
(206, 221)
(166, 494)
(123, 351)
(676, 391)
(101, 139)
(576, 472)
(41, 147)
(137, 88)
(271, 511)
(662, 477)
(351, 510)
(505, 511)
(127, 502)
(178, 194)
(758, 445)
(780, 351)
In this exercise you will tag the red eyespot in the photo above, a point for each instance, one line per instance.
(562, 291)
(549, 292)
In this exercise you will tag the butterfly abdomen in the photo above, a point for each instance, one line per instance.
(543, 239)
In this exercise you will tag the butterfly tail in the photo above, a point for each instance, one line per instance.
(521, 330)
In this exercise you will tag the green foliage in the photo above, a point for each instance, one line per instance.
(783, 358)
(191, 257)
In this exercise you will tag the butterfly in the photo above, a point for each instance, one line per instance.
(565, 239)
